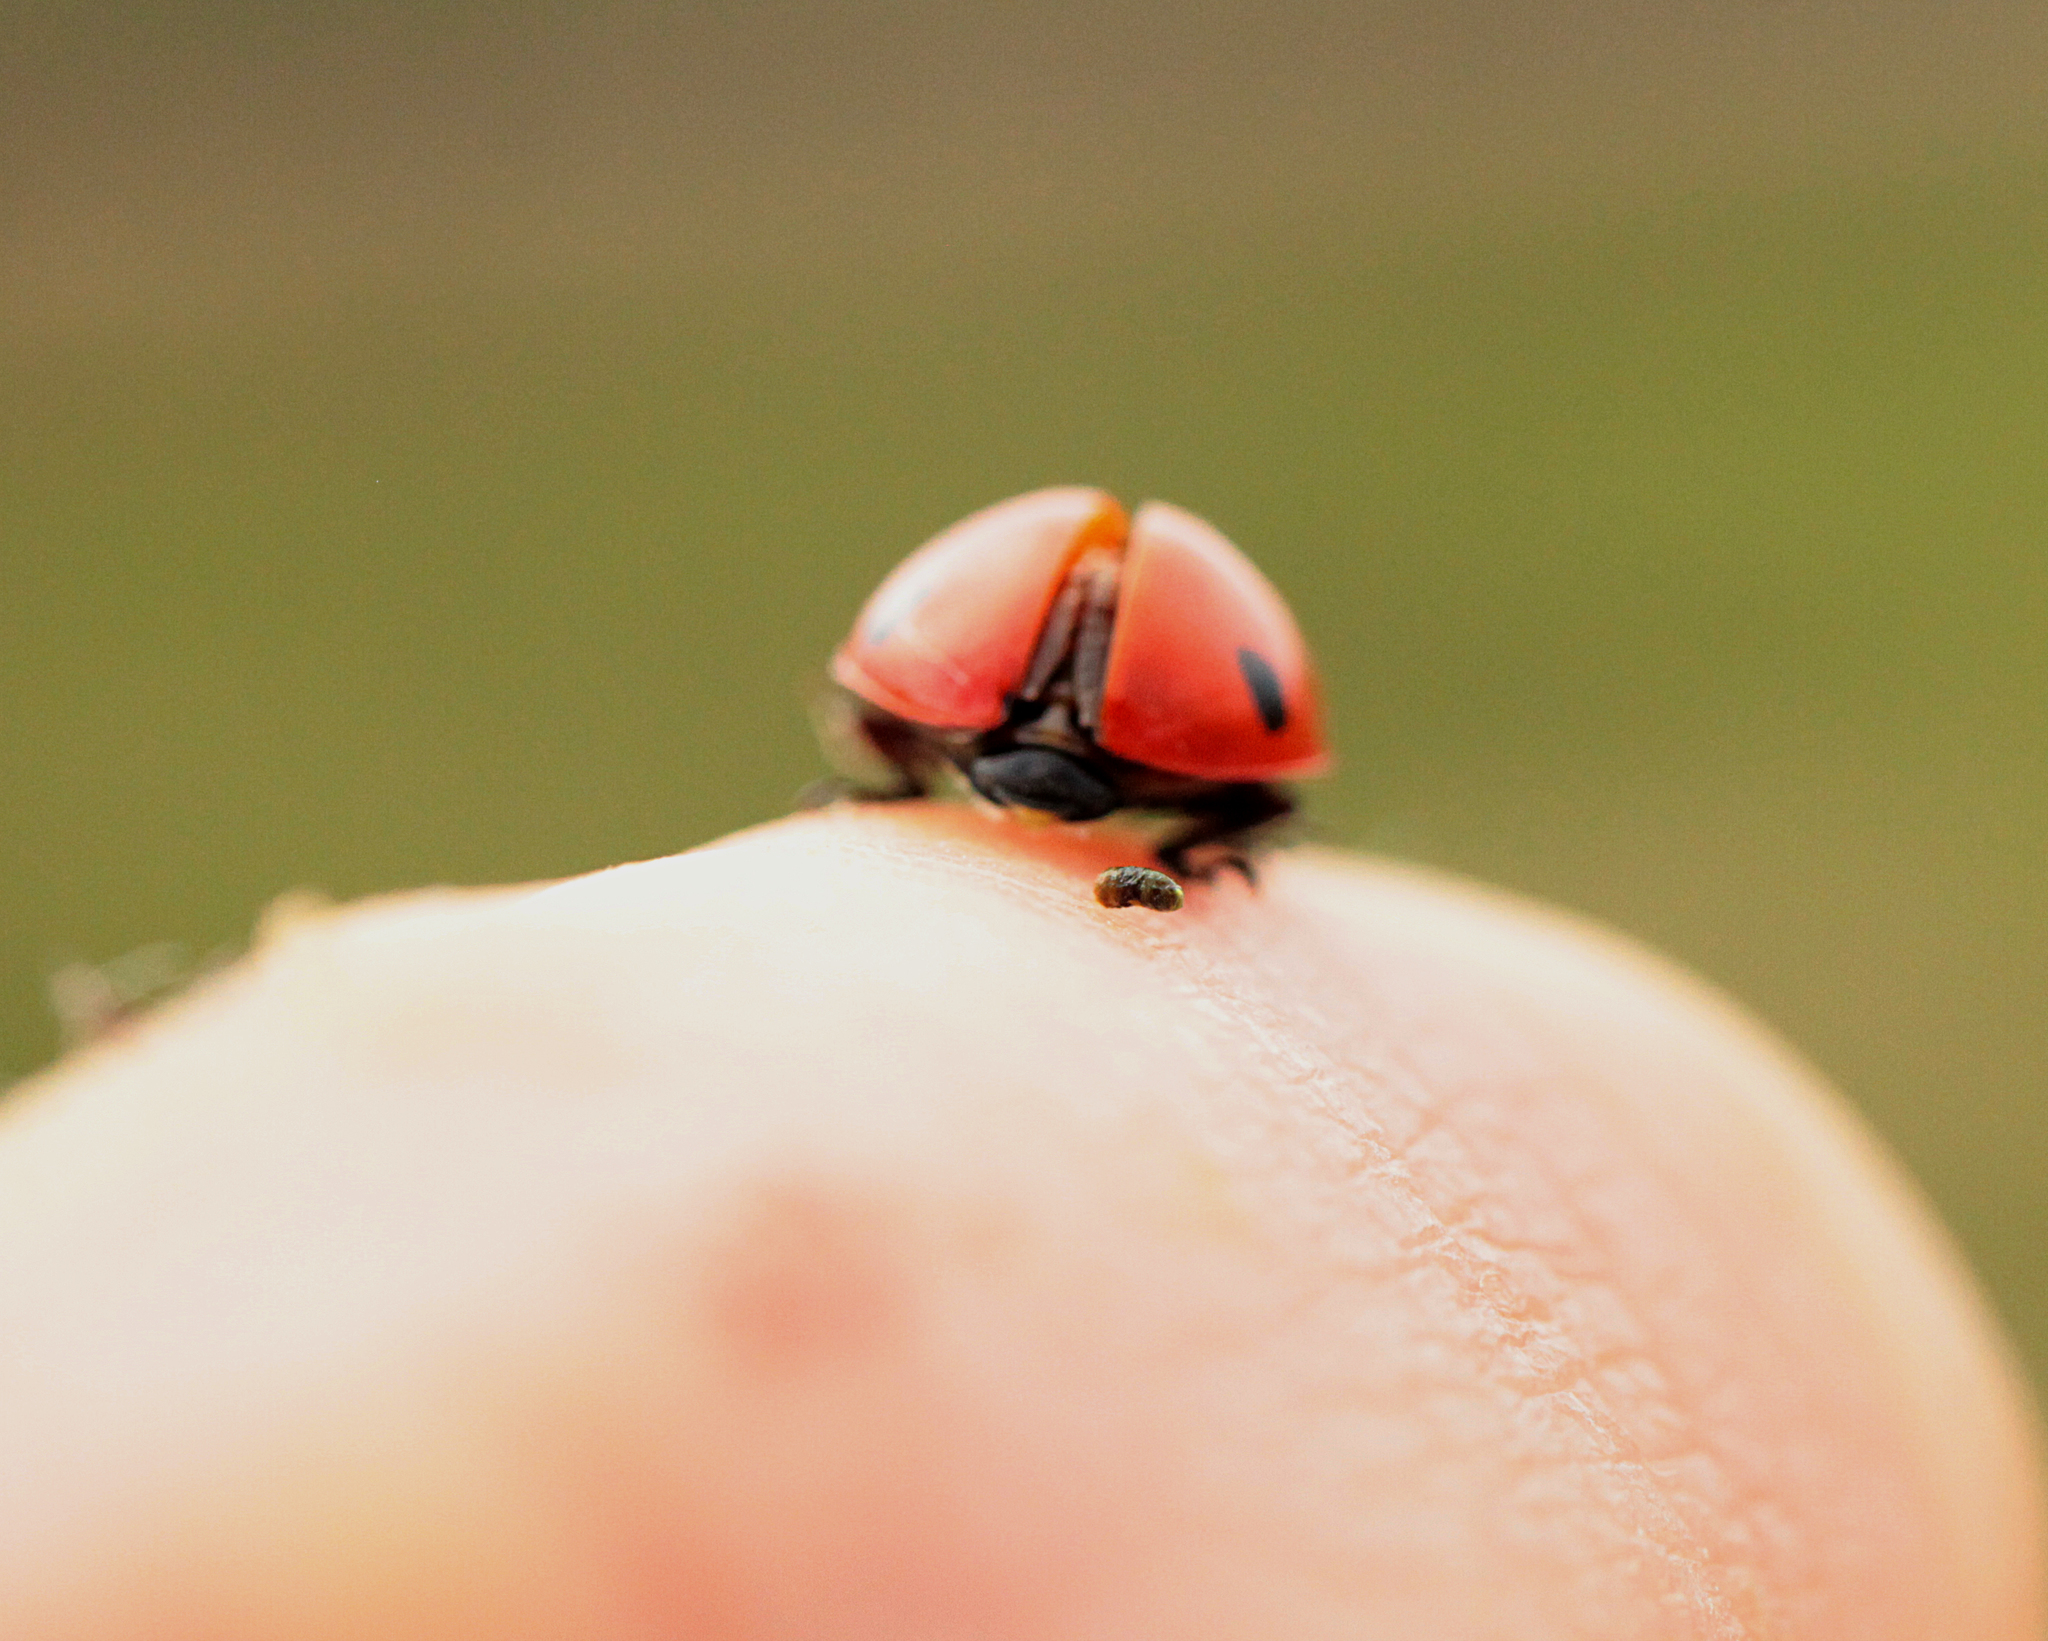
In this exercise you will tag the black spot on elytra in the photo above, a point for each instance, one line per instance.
(1264, 684)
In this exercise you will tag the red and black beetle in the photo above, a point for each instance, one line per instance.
(1065, 658)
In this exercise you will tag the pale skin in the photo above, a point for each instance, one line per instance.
(851, 1232)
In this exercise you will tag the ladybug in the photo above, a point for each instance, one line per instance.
(1062, 657)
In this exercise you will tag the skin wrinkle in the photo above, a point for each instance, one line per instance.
(1228, 984)
(1355, 1252)
(1737, 1483)
(1053, 898)
(1725, 1474)
(1529, 1354)
(1539, 1358)
(1673, 1478)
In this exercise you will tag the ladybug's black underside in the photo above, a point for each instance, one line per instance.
(1039, 758)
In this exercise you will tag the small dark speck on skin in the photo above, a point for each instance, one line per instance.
(1122, 886)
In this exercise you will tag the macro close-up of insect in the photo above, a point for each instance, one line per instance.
(618, 617)
(1055, 656)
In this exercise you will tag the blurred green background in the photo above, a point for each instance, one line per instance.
(441, 443)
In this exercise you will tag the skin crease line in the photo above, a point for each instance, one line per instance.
(849, 1229)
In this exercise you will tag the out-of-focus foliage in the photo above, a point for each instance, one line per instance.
(423, 462)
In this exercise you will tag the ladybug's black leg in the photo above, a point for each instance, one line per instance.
(830, 789)
(1229, 824)
(882, 758)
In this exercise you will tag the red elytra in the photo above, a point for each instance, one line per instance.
(1207, 675)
